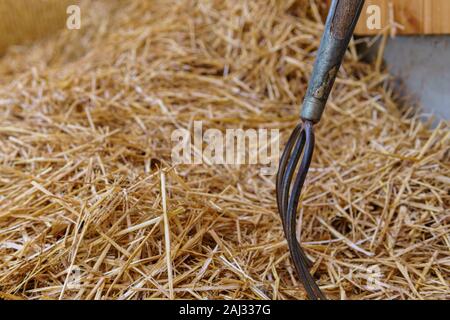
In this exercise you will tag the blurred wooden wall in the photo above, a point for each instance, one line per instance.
(22, 21)
(416, 16)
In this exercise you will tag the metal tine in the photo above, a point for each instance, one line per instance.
(298, 255)
(283, 162)
(300, 143)
(290, 169)
(288, 164)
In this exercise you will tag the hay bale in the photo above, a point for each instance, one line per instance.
(87, 187)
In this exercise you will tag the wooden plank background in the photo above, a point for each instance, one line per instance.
(416, 16)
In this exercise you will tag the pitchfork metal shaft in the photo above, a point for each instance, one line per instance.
(339, 27)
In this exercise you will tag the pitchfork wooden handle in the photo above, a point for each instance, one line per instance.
(341, 22)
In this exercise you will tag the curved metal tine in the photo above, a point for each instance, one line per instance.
(281, 203)
(308, 281)
(297, 253)
(302, 170)
(282, 165)
(292, 163)
(299, 143)
(285, 188)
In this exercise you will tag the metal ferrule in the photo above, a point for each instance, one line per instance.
(341, 22)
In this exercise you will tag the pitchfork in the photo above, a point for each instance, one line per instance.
(339, 27)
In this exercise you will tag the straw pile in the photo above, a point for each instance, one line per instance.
(88, 190)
